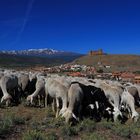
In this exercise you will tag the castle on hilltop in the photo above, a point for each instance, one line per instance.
(97, 52)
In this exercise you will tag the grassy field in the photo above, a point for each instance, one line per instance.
(29, 123)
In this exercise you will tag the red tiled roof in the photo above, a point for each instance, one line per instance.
(127, 75)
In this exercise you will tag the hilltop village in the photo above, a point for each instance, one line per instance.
(102, 71)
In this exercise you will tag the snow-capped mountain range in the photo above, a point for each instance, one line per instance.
(34, 57)
(39, 52)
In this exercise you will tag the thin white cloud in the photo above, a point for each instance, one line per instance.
(27, 14)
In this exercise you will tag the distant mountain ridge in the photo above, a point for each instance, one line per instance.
(33, 57)
(38, 52)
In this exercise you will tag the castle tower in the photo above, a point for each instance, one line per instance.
(91, 53)
(100, 52)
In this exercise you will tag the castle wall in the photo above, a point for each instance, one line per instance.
(98, 52)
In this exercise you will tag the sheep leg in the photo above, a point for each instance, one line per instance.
(79, 112)
(64, 107)
(8, 102)
(129, 112)
(57, 107)
(39, 100)
(110, 101)
(53, 105)
(46, 102)
(43, 101)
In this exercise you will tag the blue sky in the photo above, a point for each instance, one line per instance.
(71, 25)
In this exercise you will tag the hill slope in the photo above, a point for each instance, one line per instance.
(117, 62)
(13, 61)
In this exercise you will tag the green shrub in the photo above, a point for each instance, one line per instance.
(86, 125)
(8, 122)
(59, 122)
(5, 126)
(106, 124)
(50, 114)
(94, 136)
(18, 120)
(126, 131)
(33, 135)
(68, 130)
(35, 125)
(123, 130)
(51, 136)
(53, 122)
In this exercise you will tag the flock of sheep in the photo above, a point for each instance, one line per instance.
(72, 97)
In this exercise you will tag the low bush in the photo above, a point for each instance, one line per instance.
(126, 131)
(33, 135)
(18, 120)
(49, 112)
(7, 123)
(94, 136)
(86, 125)
(123, 130)
(35, 125)
(51, 136)
(68, 130)
(106, 124)
(5, 126)
(53, 122)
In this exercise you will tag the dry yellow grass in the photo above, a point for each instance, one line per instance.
(117, 62)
